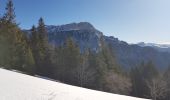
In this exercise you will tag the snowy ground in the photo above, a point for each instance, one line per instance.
(16, 86)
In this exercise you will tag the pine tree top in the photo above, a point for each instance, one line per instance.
(10, 13)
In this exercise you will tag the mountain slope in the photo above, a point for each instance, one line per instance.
(16, 86)
(86, 36)
(83, 33)
(132, 55)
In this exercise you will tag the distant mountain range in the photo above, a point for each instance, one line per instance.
(159, 47)
(86, 36)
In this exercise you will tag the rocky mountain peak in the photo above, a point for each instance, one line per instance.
(72, 26)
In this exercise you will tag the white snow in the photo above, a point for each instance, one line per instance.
(17, 86)
(143, 44)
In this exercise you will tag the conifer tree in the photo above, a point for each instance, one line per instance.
(34, 44)
(58, 60)
(85, 74)
(141, 76)
(8, 35)
(18, 55)
(43, 59)
(10, 14)
(5, 48)
(71, 58)
(42, 38)
(106, 62)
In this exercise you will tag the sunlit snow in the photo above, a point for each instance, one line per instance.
(16, 86)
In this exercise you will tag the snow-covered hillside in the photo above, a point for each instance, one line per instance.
(16, 86)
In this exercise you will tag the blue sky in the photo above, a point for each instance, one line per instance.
(129, 20)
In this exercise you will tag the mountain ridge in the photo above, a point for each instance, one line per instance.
(159, 47)
(86, 36)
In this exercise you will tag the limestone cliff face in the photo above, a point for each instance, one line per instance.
(84, 35)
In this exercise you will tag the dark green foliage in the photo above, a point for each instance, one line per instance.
(4, 51)
(86, 72)
(140, 76)
(106, 63)
(15, 52)
(15, 47)
(88, 69)
(71, 56)
(34, 45)
(40, 49)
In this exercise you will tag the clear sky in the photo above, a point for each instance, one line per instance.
(129, 20)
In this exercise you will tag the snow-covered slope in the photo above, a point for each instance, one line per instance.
(16, 86)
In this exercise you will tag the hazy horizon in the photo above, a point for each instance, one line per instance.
(132, 21)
